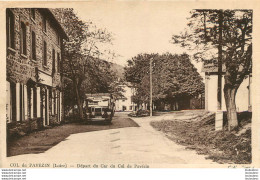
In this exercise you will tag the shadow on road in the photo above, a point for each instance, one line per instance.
(40, 141)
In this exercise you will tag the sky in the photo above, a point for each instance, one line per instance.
(138, 27)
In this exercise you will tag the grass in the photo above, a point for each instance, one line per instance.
(40, 141)
(220, 146)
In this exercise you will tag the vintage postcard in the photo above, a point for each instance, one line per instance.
(130, 84)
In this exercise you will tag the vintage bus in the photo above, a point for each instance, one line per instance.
(99, 106)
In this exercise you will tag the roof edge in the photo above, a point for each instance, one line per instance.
(52, 16)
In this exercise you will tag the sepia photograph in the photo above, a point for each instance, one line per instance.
(129, 85)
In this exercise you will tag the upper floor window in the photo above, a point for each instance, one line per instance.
(10, 28)
(33, 13)
(33, 45)
(44, 24)
(44, 53)
(23, 39)
(58, 62)
(53, 61)
(58, 39)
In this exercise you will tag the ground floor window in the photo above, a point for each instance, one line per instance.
(54, 101)
(13, 101)
(42, 97)
(34, 102)
(29, 103)
(50, 101)
(21, 110)
(58, 105)
(46, 106)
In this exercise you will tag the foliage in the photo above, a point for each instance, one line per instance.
(174, 77)
(225, 36)
(69, 95)
(82, 63)
(202, 37)
(117, 88)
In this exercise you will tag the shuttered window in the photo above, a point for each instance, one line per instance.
(44, 53)
(23, 39)
(33, 45)
(10, 28)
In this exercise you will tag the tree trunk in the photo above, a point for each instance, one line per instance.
(230, 97)
(79, 102)
(171, 104)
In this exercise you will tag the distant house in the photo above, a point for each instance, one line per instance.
(125, 103)
(243, 96)
(34, 94)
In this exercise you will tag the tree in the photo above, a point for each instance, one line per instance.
(226, 35)
(135, 72)
(174, 78)
(81, 58)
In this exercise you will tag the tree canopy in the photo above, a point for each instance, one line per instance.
(203, 32)
(222, 38)
(82, 63)
(174, 77)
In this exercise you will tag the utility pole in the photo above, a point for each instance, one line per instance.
(219, 113)
(151, 88)
(219, 96)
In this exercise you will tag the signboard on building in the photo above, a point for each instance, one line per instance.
(45, 78)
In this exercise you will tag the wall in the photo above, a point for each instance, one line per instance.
(127, 102)
(21, 68)
(242, 97)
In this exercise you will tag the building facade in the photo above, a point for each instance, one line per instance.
(125, 103)
(34, 96)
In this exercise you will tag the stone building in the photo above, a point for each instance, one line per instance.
(34, 41)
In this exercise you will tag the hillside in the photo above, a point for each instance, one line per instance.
(118, 69)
